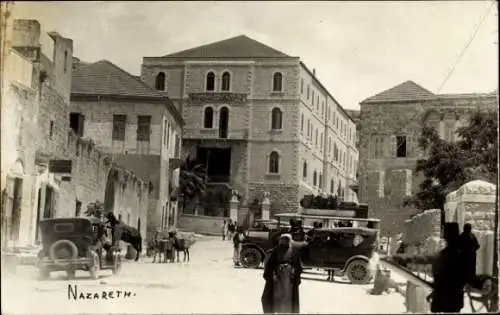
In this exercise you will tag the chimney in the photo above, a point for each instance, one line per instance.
(314, 72)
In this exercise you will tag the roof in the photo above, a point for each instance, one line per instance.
(234, 47)
(406, 91)
(106, 78)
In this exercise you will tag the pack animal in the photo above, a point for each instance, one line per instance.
(126, 233)
(181, 244)
(163, 245)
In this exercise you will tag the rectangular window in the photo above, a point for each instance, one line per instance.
(51, 129)
(177, 147)
(301, 86)
(302, 123)
(143, 128)
(119, 123)
(308, 90)
(401, 146)
(169, 133)
(316, 139)
(165, 128)
(312, 98)
(77, 122)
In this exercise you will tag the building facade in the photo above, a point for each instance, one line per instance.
(258, 120)
(51, 171)
(391, 123)
(137, 125)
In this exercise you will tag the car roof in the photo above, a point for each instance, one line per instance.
(349, 230)
(92, 220)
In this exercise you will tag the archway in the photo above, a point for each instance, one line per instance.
(223, 122)
(109, 192)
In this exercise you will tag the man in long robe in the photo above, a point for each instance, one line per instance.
(469, 246)
(449, 275)
(282, 272)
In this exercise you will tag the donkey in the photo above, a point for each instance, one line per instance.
(163, 246)
(181, 245)
(128, 234)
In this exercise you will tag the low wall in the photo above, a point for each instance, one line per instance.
(201, 224)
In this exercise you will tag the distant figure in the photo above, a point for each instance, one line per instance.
(448, 271)
(231, 229)
(238, 238)
(224, 227)
(282, 272)
(469, 246)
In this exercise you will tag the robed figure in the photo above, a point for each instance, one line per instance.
(282, 271)
(469, 246)
(449, 272)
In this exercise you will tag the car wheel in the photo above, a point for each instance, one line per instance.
(358, 272)
(250, 257)
(43, 273)
(94, 266)
(71, 274)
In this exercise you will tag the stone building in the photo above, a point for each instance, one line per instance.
(134, 123)
(55, 172)
(391, 123)
(259, 120)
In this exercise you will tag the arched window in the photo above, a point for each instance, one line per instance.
(208, 118)
(160, 81)
(226, 81)
(274, 163)
(304, 170)
(210, 81)
(276, 119)
(315, 178)
(277, 82)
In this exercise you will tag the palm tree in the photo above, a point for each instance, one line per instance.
(191, 180)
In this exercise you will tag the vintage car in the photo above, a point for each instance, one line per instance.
(71, 244)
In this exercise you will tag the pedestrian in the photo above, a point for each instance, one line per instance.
(224, 227)
(231, 229)
(282, 272)
(469, 246)
(238, 238)
(448, 271)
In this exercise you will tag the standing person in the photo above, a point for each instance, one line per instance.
(282, 272)
(224, 227)
(231, 228)
(448, 271)
(469, 246)
(238, 238)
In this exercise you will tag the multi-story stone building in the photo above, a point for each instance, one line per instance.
(50, 171)
(391, 123)
(259, 120)
(137, 125)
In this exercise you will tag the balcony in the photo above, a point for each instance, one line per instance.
(231, 134)
(218, 97)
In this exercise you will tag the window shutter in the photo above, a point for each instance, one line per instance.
(392, 146)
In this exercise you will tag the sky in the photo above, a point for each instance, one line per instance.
(357, 48)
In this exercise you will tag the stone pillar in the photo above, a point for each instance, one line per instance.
(450, 207)
(233, 206)
(266, 206)
(476, 205)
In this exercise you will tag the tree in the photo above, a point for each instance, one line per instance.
(191, 180)
(450, 165)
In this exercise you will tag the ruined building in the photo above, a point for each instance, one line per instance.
(391, 123)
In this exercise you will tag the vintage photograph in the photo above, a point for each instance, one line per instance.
(249, 157)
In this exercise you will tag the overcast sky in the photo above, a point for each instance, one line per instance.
(357, 48)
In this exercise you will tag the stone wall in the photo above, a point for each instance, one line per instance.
(201, 224)
(422, 235)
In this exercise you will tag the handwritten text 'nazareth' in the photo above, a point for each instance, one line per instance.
(75, 294)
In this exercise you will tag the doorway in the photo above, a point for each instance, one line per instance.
(15, 222)
(223, 122)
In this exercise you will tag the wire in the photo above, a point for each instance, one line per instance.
(466, 47)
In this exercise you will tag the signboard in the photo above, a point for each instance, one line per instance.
(60, 166)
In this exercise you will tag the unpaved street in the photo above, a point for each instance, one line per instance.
(207, 284)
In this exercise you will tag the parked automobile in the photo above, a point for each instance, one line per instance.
(71, 244)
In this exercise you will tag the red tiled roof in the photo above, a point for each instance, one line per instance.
(406, 91)
(106, 78)
(235, 47)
